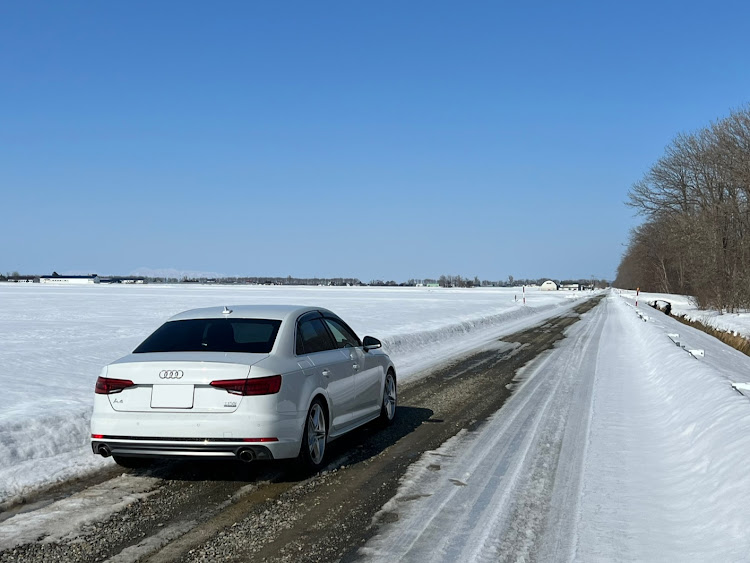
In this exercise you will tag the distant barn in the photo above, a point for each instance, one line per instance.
(69, 280)
(549, 285)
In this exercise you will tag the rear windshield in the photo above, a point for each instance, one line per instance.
(253, 336)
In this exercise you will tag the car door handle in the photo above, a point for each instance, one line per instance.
(355, 366)
(326, 373)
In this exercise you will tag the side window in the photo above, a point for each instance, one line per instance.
(342, 334)
(312, 337)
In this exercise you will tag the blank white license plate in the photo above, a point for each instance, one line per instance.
(172, 397)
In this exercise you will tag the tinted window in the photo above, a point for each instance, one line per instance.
(313, 337)
(254, 336)
(342, 334)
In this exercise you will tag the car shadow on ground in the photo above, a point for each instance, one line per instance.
(371, 439)
(354, 447)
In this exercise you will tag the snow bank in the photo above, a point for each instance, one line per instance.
(418, 350)
(666, 478)
(57, 339)
(683, 305)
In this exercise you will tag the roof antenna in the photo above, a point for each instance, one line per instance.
(226, 310)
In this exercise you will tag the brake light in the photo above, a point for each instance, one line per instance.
(107, 386)
(255, 386)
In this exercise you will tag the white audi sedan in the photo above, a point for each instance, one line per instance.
(244, 382)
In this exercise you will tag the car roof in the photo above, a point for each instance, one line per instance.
(278, 312)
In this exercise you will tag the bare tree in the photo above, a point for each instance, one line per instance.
(696, 204)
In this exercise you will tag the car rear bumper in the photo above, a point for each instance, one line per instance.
(179, 448)
(268, 436)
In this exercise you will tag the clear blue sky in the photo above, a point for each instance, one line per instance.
(380, 139)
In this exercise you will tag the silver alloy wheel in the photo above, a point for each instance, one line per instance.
(316, 433)
(389, 396)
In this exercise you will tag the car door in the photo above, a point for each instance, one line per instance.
(368, 379)
(314, 342)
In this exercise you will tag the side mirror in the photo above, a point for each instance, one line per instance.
(371, 343)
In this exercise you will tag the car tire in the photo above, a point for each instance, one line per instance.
(131, 462)
(314, 437)
(390, 399)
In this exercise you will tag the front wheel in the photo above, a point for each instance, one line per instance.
(390, 399)
(314, 437)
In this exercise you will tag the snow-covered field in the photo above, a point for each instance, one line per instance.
(55, 341)
(616, 446)
(737, 323)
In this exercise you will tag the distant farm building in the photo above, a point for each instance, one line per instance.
(69, 280)
(109, 280)
(571, 286)
(549, 285)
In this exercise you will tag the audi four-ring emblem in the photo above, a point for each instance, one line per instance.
(171, 374)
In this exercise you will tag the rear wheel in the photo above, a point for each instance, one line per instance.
(131, 462)
(390, 399)
(314, 437)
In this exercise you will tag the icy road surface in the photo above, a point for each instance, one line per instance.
(616, 446)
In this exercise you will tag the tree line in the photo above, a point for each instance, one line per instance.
(442, 281)
(696, 203)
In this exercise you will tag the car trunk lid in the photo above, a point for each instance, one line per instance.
(179, 382)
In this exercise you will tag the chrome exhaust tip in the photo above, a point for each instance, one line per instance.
(246, 455)
(104, 451)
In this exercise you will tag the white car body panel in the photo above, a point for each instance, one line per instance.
(180, 414)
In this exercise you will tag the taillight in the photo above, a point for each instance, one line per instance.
(107, 386)
(255, 386)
